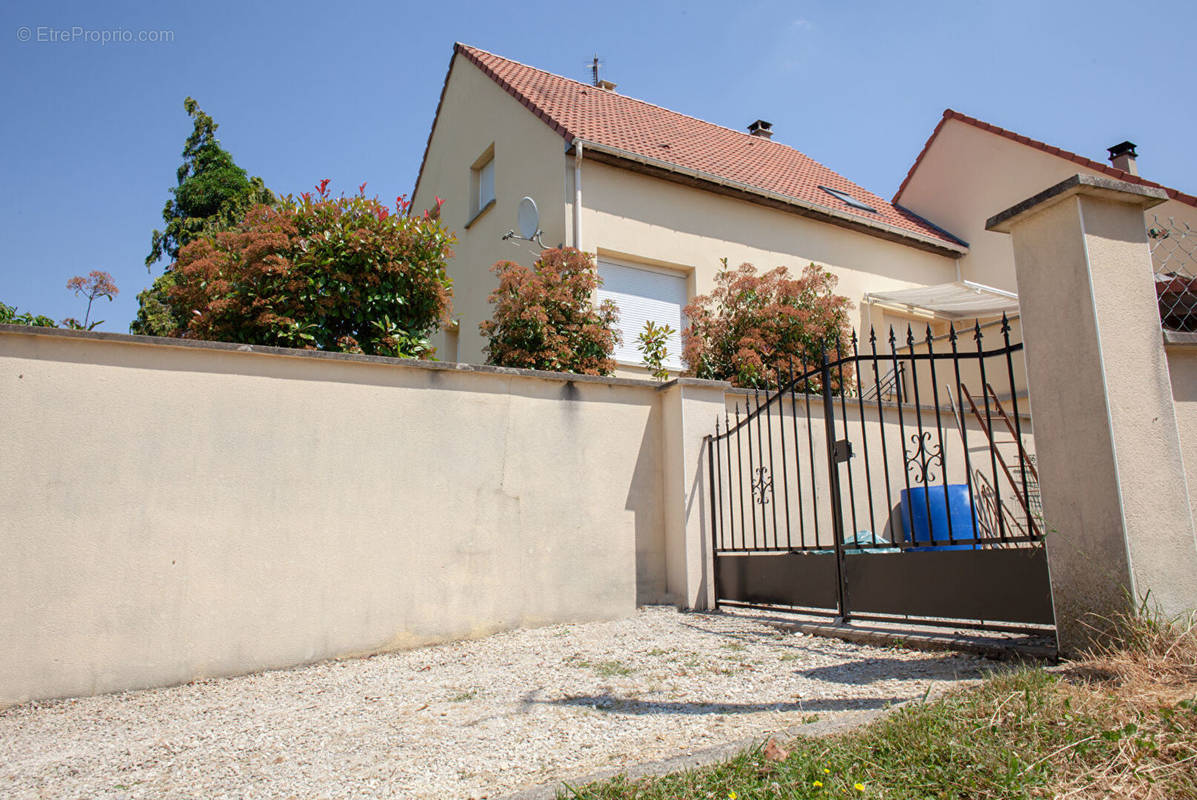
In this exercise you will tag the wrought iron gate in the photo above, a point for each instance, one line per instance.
(836, 444)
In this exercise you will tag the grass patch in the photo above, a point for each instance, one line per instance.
(605, 669)
(1121, 723)
(464, 695)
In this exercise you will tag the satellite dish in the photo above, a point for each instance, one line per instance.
(529, 218)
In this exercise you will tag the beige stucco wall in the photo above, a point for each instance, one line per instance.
(1182, 369)
(173, 512)
(969, 174)
(529, 160)
(637, 218)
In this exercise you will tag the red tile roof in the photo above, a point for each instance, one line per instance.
(1088, 163)
(747, 163)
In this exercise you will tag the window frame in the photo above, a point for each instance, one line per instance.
(482, 165)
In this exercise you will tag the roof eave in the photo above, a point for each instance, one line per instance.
(679, 174)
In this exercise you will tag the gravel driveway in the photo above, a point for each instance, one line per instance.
(469, 719)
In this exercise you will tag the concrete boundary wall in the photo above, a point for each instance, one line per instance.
(175, 510)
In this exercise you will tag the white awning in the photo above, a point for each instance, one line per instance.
(959, 300)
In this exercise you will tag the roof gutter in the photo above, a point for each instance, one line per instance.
(803, 206)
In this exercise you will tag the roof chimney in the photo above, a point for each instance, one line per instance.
(1123, 156)
(762, 129)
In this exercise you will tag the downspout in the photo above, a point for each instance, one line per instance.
(577, 194)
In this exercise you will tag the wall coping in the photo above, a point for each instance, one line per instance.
(325, 355)
(1180, 339)
(1092, 185)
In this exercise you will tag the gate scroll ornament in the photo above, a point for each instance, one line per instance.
(762, 484)
(920, 462)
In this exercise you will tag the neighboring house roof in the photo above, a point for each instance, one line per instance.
(669, 144)
(1088, 163)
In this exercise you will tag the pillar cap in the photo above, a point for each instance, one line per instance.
(1092, 185)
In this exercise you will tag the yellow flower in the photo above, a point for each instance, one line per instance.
(731, 796)
(817, 784)
(859, 787)
(826, 771)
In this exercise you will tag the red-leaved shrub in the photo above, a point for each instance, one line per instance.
(752, 325)
(319, 272)
(545, 319)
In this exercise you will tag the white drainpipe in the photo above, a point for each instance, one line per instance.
(578, 194)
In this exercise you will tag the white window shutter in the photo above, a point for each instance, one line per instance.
(644, 295)
(486, 184)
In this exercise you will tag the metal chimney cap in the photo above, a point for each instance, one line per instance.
(761, 128)
(1123, 149)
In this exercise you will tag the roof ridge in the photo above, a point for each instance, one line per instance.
(584, 85)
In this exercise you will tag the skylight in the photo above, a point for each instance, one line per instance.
(849, 199)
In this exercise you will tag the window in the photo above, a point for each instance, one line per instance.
(644, 294)
(848, 199)
(482, 180)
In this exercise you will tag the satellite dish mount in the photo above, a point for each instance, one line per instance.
(528, 222)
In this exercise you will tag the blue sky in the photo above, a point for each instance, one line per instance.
(92, 132)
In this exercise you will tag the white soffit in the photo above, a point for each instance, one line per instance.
(959, 300)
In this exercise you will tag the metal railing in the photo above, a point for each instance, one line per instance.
(1174, 258)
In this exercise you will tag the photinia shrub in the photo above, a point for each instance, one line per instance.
(319, 272)
(653, 343)
(9, 316)
(751, 325)
(545, 318)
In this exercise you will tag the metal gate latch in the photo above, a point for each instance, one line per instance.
(842, 451)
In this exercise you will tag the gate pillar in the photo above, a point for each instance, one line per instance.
(689, 410)
(1115, 498)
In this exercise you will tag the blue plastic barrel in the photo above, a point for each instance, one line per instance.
(915, 505)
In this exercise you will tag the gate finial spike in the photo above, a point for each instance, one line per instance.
(1005, 323)
(910, 337)
(854, 336)
(952, 333)
(929, 336)
(977, 330)
(872, 335)
(892, 337)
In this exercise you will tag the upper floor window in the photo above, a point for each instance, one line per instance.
(482, 178)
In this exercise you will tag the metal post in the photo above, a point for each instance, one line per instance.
(833, 482)
(714, 530)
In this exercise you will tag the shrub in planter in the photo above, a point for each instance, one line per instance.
(345, 273)
(545, 319)
(752, 324)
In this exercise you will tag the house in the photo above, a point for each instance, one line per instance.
(970, 170)
(659, 198)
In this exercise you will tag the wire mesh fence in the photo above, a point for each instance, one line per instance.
(1174, 257)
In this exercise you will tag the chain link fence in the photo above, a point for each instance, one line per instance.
(1174, 256)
